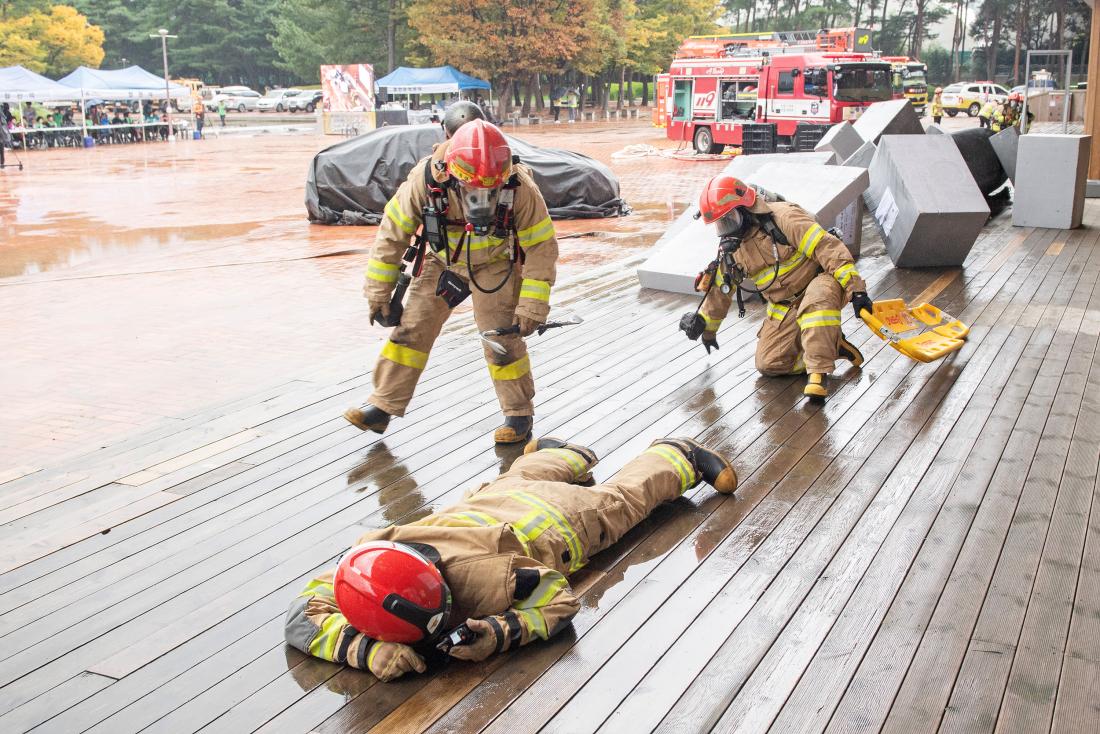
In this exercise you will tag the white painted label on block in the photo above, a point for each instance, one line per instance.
(887, 212)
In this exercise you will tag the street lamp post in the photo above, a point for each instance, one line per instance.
(163, 35)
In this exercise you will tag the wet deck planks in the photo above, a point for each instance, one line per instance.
(921, 553)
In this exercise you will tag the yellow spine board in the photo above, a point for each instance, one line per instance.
(941, 334)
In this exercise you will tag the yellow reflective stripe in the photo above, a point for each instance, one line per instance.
(475, 243)
(318, 587)
(405, 356)
(710, 324)
(549, 585)
(535, 621)
(810, 239)
(532, 525)
(679, 463)
(393, 211)
(538, 290)
(532, 236)
(512, 371)
(370, 658)
(563, 526)
(480, 517)
(380, 271)
(799, 365)
(575, 461)
(819, 318)
(844, 273)
(765, 276)
(466, 519)
(777, 311)
(323, 645)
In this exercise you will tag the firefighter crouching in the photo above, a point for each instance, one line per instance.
(480, 228)
(489, 573)
(1009, 113)
(804, 274)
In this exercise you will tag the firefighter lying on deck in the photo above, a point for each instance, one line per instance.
(493, 565)
(468, 208)
(804, 274)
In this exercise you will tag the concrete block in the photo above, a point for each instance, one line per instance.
(1050, 191)
(1006, 145)
(743, 166)
(682, 251)
(850, 225)
(823, 191)
(924, 201)
(841, 139)
(934, 129)
(862, 158)
(1092, 189)
(895, 117)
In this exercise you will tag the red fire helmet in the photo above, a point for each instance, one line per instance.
(479, 155)
(723, 194)
(390, 592)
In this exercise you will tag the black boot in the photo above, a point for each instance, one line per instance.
(549, 442)
(847, 350)
(368, 418)
(516, 429)
(710, 466)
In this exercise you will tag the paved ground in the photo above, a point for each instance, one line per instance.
(145, 283)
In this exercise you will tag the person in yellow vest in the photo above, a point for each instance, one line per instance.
(937, 105)
(985, 116)
(571, 101)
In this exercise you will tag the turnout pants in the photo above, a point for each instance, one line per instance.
(802, 336)
(659, 474)
(405, 355)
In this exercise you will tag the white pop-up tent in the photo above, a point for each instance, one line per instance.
(133, 82)
(18, 84)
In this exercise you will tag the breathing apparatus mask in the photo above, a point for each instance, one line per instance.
(480, 206)
(731, 228)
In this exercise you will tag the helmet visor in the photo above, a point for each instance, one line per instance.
(730, 224)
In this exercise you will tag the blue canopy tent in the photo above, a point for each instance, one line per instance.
(435, 80)
(18, 84)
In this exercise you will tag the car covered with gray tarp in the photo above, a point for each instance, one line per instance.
(350, 182)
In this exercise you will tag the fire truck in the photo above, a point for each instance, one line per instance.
(910, 80)
(707, 101)
(827, 40)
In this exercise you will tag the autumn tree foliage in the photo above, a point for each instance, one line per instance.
(507, 42)
(48, 40)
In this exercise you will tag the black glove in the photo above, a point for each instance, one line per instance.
(861, 302)
(692, 325)
(710, 341)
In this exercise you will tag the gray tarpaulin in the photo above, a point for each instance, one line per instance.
(350, 182)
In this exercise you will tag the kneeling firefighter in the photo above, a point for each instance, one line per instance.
(479, 226)
(489, 573)
(802, 272)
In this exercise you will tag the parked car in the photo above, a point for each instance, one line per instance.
(242, 101)
(969, 97)
(308, 101)
(276, 100)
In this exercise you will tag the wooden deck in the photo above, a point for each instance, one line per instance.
(922, 553)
